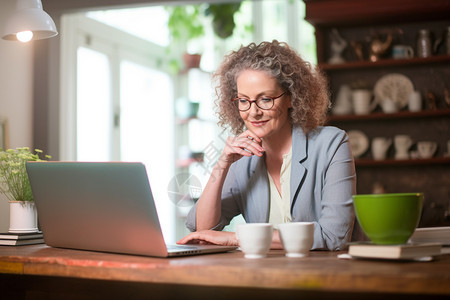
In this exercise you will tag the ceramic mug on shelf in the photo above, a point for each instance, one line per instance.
(448, 149)
(362, 102)
(389, 106)
(343, 103)
(402, 143)
(426, 149)
(380, 145)
(402, 51)
(415, 101)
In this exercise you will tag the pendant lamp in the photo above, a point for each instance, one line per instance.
(29, 22)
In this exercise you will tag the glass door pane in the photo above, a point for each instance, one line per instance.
(146, 130)
(94, 111)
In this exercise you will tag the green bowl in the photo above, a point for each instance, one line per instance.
(388, 218)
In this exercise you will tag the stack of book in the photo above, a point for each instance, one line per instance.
(432, 235)
(404, 251)
(18, 239)
(425, 242)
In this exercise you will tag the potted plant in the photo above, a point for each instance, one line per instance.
(15, 185)
(223, 18)
(185, 24)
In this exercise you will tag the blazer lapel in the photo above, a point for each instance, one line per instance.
(299, 155)
(258, 191)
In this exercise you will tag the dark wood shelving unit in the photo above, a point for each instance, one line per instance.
(359, 21)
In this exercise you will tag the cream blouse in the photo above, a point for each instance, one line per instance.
(280, 206)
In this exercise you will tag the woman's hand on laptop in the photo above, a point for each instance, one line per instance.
(210, 237)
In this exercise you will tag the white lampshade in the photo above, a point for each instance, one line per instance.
(29, 17)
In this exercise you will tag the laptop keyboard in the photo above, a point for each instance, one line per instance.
(181, 247)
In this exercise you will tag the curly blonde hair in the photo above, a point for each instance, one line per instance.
(306, 85)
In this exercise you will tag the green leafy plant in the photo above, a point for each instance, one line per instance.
(14, 183)
(185, 23)
(223, 18)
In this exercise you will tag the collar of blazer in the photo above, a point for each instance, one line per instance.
(299, 155)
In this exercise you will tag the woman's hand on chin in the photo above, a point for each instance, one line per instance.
(245, 144)
(210, 237)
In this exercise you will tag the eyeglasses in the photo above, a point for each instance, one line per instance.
(263, 102)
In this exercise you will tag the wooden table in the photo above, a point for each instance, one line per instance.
(42, 272)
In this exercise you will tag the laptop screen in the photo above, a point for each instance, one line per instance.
(97, 206)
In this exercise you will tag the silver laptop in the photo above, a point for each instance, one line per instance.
(106, 207)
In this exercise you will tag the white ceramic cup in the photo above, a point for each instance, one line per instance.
(415, 101)
(297, 238)
(254, 239)
(362, 102)
(388, 106)
(380, 145)
(426, 149)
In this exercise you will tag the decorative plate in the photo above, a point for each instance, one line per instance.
(396, 87)
(359, 143)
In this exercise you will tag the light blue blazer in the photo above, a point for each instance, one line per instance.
(323, 180)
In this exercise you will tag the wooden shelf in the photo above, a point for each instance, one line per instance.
(362, 162)
(330, 13)
(384, 116)
(383, 63)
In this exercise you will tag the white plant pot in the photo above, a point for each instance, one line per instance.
(22, 217)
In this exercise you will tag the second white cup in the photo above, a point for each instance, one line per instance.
(254, 239)
(297, 238)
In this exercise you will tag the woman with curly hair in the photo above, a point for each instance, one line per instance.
(282, 165)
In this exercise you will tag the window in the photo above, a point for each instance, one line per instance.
(123, 100)
(94, 110)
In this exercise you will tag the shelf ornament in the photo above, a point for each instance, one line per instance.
(338, 45)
